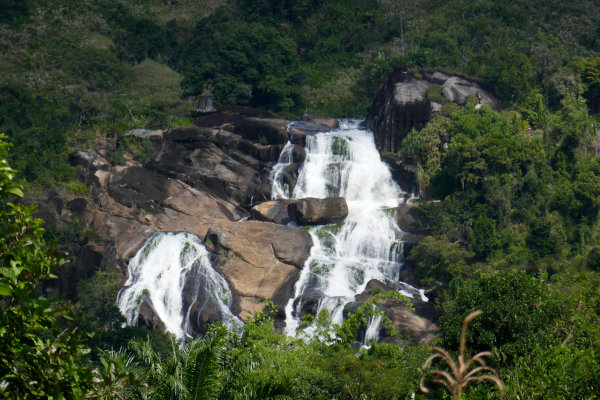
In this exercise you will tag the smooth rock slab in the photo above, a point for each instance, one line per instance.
(259, 260)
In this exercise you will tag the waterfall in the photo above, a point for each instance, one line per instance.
(172, 274)
(345, 256)
(280, 190)
(373, 327)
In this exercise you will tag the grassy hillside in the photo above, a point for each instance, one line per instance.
(71, 67)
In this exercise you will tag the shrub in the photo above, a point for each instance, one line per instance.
(435, 94)
(38, 361)
(519, 312)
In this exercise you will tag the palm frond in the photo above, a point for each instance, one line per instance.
(460, 375)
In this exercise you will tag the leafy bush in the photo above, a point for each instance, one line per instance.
(435, 94)
(519, 313)
(437, 260)
(38, 361)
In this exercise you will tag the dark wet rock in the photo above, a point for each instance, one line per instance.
(298, 154)
(312, 211)
(207, 168)
(139, 187)
(402, 172)
(408, 219)
(421, 324)
(262, 192)
(148, 316)
(191, 135)
(309, 302)
(259, 151)
(230, 114)
(400, 105)
(263, 130)
(298, 130)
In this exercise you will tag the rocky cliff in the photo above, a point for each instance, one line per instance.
(203, 179)
(407, 100)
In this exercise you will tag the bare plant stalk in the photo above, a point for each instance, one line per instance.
(461, 375)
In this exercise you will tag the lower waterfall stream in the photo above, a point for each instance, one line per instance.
(169, 265)
(368, 245)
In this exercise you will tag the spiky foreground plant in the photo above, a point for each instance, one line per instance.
(461, 375)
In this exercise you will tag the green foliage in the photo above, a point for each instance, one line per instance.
(510, 74)
(423, 149)
(245, 63)
(38, 361)
(437, 260)
(138, 38)
(348, 331)
(33, 123)
(15, 11)
(435, 94)
(220, 365)
(519, 313)
(77, 188)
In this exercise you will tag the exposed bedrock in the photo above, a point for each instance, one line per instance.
(259, 260)
(405, 101)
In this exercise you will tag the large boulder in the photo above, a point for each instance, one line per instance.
(259, 260)
(404, 102)
(89, 160)
(400, 105)
(312, 211)
(272, 211)
(408, 220)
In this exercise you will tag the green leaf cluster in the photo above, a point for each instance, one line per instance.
(37, 360)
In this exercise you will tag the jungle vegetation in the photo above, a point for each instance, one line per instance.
(515, 232)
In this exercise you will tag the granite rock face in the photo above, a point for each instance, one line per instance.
(403, 102)
(259, 260)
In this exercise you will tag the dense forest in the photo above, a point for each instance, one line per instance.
(515, 232)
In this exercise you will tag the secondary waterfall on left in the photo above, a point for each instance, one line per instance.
(172, 274)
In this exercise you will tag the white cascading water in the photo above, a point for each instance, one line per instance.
(345, 257)
(372, 332)
(279, 190)
(158, 274)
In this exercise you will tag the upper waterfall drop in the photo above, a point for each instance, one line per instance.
(368, 245)
(172, 274)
